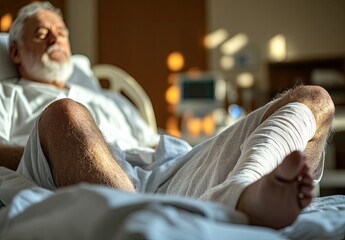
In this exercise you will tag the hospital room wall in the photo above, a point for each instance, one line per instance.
(139, 36)
(312, 30)
(82, 20)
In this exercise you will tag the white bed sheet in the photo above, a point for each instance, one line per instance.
(97, 212)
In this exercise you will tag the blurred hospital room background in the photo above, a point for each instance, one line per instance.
(206, 63)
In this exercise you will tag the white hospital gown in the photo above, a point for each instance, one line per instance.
(22, 102)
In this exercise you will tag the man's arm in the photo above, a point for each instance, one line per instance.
(10, 156)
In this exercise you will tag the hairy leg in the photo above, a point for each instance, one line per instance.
(320, 103)
(276, 199)
(75, 148)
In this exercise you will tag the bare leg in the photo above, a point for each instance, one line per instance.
(276, 199)
(75, 148)
(320, 103)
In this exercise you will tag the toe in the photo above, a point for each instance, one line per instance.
(304, 201)
(292, 167)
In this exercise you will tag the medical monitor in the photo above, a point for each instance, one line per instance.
(201, 93)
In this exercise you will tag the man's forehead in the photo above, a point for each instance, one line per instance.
(45, 18)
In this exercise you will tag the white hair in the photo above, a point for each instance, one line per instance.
(16, 31)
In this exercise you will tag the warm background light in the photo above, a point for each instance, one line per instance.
(227, 62)
(6, 22)
(215, 38)
(234, 44)
(194, 72)
(172, 95)
(172, 126)
(245, 80)
(175, 61)
(277, 48)
(209, 126)
(194, 127)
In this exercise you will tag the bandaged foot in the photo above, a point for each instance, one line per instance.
(276, 199)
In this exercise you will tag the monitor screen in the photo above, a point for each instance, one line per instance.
(198, 89)
(201, 93)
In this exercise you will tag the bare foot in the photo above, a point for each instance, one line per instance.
(276, 199)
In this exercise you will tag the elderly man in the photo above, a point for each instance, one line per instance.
(265, 161)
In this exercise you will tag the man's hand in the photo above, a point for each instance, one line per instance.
(10, 156)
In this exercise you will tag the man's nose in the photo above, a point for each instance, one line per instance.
(53, 38)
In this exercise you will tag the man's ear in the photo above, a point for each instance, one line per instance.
(14, 53)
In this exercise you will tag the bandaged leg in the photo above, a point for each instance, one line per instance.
(288, 129)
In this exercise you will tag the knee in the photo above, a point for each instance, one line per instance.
(61, 113)
(317, 99)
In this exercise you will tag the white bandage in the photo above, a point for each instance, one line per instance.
(288, 129)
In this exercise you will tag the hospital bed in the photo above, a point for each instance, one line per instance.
(97, 212)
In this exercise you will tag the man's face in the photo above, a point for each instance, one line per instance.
(45, 49)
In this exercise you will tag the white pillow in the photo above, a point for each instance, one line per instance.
(8, 69)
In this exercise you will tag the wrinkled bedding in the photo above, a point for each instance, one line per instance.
(97, 212)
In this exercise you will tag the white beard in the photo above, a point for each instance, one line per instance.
(55, 71)
(50, 70)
